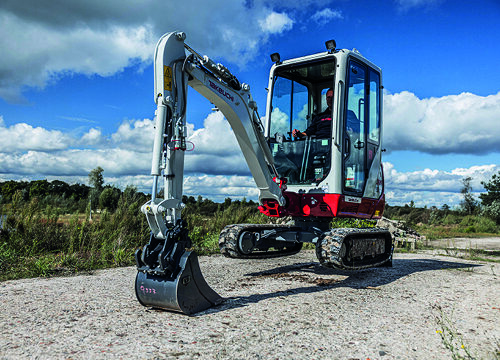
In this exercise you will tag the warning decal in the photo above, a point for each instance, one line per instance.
(167, 78)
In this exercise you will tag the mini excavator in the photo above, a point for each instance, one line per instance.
(310, 179)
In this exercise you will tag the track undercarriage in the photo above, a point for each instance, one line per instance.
(342, 248)
(257, 241)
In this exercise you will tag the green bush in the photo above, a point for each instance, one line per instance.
(470, 229)
(493, 211)
(486, 225)
(36, 239)
(451, 219)
(468, 221)
(209, 244)
(351, 223)
(8, 257)
(42, 243)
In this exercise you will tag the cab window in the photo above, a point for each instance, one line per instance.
(298, 93)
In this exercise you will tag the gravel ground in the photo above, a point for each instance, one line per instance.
(285, 308)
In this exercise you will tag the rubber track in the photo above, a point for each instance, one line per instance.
(228, 242)
(328, 247)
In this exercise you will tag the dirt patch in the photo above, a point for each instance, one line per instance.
(300, 278)
(284, 308)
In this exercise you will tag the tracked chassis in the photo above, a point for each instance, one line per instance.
(355, 249)
(257, 241)
(342, 248)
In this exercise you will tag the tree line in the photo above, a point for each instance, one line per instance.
(78, 197)
(67, 198)
(70, 198)
(473, 215)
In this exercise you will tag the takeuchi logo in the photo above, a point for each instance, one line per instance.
(221, 91)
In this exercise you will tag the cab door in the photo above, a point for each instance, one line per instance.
(361, 126)
(354, 131)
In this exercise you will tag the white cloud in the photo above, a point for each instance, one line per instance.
(216, 150)
(137, 135)
(77, 162)
(215, 137)
(276, 23)
(104, 37)
(481, 173)
(38, 152)
(216, 167)
(280, 123)
(423, 198)
(431, 186)
(437, 180)
(92, 137)
(34, 53)
(464, 123)
(231, 164)
(405, 5)
(219, 187)
(326, 15)
(78, 119)
(22, 136)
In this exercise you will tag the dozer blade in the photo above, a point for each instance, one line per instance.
(188, 292)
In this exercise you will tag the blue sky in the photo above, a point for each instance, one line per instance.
(76, 86)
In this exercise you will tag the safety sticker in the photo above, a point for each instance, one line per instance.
(167, 78)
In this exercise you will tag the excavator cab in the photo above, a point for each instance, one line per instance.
(344, 163)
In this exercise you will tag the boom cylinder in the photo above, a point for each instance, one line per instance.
(161, 117)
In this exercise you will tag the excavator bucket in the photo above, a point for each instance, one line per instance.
(188, 292)
(169, 277)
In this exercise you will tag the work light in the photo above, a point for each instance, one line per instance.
(330, 46)
(275, 57)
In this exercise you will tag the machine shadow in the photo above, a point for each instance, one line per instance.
(360, 279)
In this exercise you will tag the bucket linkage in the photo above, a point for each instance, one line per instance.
(169, 276)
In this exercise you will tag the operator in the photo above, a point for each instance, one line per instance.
(322, 123)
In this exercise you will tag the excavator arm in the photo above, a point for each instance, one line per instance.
(174, 71)
(168, 275)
